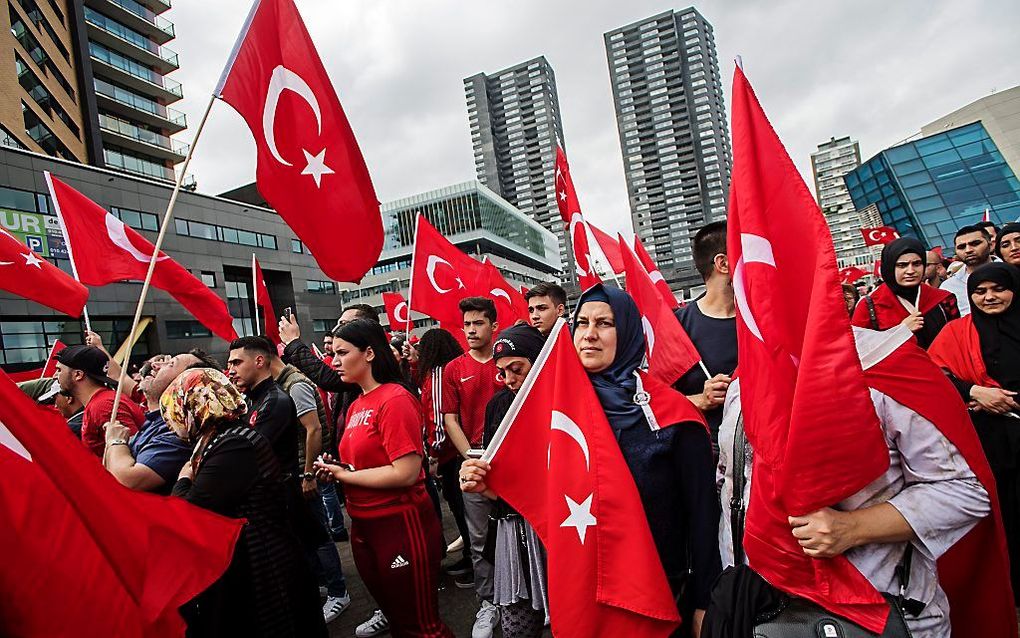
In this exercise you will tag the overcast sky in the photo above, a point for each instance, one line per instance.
(876, 70)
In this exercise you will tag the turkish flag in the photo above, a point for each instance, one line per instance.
(876, 270)
(28, 275)
(396, 311)
(50, 368)
(441, 275)
(987, 217)
(879, 235)
(850, 274)
(807, 409)
(121, 562)
(262, 299)
(610, 248)
(669, 349)
(605, 577)
(310, 168)
(510, 303)
(570, 211)
(653, 271)
(104, 251)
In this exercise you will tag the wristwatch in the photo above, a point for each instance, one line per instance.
(307, 476)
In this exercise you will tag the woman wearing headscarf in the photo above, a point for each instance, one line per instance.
(1007, 244)
(981, 355)
(673, 467)
(267, 590)
(519, 576)
(903, 296)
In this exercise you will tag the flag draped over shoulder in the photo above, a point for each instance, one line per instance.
(310, 168)
(120, 562)
(105, 250)
(808, 411)
(605, 576)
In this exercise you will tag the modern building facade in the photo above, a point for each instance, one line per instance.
(473, 218)
(213, 237)
(932, 186)
(93, 85)
(514, 115)
(829, 164)
(673, 134)
(999, 113)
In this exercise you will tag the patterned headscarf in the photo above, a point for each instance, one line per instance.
(197, 399)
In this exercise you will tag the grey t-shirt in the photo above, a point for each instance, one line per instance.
(303, 395)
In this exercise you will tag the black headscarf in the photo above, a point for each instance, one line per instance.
(518, 341)
(616, 385)
(1007, 229)
(999, 334)
(890, 254)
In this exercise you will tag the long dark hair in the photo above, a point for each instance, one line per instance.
(436, 348)
(364, 334)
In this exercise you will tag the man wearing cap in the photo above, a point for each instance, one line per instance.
(81, 373)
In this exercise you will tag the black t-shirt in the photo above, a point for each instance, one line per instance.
(716, 341)
(271, 411)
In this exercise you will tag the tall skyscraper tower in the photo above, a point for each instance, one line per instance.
(515, 122)
(672, 123)
(93, 83)
(829, 164)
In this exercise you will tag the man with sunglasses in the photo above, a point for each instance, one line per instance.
(711, 323)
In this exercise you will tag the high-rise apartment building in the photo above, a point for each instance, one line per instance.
(829, 164)
(93, 85)
(515, 122)
(672, 125)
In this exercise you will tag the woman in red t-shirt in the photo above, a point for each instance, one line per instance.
(395, 534)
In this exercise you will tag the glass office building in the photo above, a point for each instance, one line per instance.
(932, 186)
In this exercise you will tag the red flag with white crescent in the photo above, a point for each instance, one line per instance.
(310, 168)
(879, 236)
(397, 311)
(610, 248)
(605, 575)
(653, 271)
(802, 385)
(26, 274)
(570, 212)
(850, 274)
(105, 250)
(441, 275)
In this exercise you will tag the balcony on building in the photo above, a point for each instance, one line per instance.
(123, 70)
(141, 140)
(136, 16)
(124, 102)
(115, 35)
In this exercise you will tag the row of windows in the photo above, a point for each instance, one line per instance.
(186, 329)
(135, 163)
(215, 232)
(36, 16)
(37, 53)
(35, 88)
(319, 287)
(28, 342)
(136, 218)
(43, 136)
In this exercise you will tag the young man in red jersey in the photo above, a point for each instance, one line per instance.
(469, 381)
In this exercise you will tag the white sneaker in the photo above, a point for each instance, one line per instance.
(455, 546)
(374, 626)
(335, 606)
(485, 620)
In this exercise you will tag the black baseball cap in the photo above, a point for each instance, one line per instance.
(90, 360)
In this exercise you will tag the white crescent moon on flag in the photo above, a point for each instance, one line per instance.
(400, 312)
(283, 79)
(753, 249)
(430, 271)
(576, 219)
(115, 229)
(874, 235)
(565, 424)
(656, 276)
(499, 292)
(649, 334)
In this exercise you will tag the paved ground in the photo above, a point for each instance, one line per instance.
(457, 606)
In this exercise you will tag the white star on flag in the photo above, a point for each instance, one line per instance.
(32, 260)
(316, 166)
(580, 516)
(563, 195)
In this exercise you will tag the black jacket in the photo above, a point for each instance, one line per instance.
(272, 413)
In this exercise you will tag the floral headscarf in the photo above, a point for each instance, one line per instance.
(198, 398)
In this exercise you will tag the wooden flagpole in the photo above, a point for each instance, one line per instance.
(167, 216)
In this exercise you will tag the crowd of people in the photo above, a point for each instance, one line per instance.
(391, 427)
